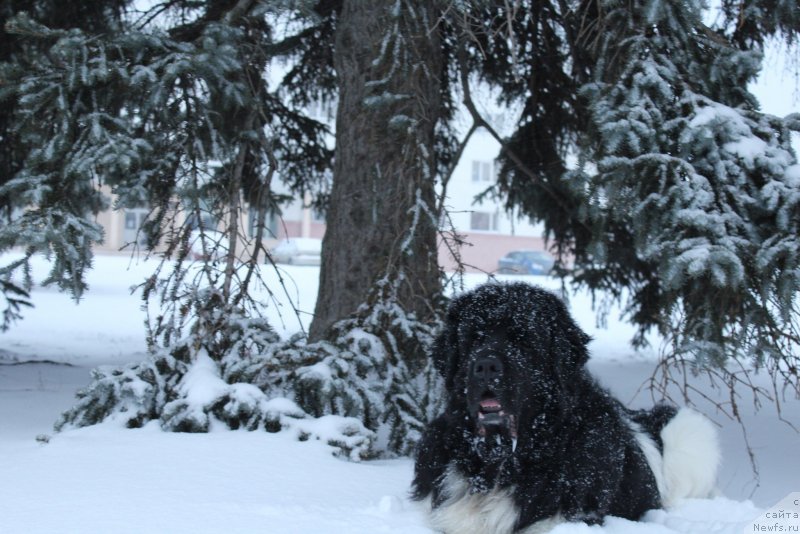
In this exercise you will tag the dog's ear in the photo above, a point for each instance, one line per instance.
(445, 350)
(569, 341)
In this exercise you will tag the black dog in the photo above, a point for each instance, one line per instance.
(530, 440)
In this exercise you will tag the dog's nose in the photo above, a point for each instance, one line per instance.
(487, 369)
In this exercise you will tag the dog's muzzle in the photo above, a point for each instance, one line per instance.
(492, 418)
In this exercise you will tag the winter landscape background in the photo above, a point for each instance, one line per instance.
(109, 479)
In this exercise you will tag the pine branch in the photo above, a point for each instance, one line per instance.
(451, 169)
(479, 121)
(218, 12)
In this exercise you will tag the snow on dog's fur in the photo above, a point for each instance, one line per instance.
(529, 439)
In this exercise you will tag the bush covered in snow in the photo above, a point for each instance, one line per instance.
(354, 393)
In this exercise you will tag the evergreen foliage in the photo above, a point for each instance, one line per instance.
(146, 113)
(15, 299)
(97, 17)
(706, 183)
(355, 392)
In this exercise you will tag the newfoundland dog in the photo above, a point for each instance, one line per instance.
(530, 440)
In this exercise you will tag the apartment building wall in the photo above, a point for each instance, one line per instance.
(488, 230)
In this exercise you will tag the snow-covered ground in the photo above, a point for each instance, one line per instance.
(107, 479)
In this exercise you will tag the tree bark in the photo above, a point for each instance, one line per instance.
(381, 223)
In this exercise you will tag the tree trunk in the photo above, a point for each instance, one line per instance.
(381, 223)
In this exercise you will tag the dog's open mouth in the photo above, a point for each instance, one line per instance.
(493, 419)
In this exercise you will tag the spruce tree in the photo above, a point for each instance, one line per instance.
(683, 202)
(704, 184)
(179, 117)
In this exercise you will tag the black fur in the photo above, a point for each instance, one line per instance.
(576, 454)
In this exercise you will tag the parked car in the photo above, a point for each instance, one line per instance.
(526, 262)
(298, 251)
(208, 244)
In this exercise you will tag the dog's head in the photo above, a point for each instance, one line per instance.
(507, 353)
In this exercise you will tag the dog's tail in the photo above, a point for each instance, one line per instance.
(690, 458)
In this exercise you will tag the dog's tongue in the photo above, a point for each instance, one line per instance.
(490, 406)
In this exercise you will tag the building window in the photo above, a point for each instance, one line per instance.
(134, 219)
(484, 221)
(131, 221)
(482, 171)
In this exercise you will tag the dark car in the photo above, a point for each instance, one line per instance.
(526, 262)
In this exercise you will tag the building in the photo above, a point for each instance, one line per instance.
(487, 230)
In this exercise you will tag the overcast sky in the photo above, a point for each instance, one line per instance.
(778, 87)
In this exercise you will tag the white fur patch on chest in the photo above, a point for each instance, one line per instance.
(493, 512)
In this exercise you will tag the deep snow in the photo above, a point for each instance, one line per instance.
(107, 479)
